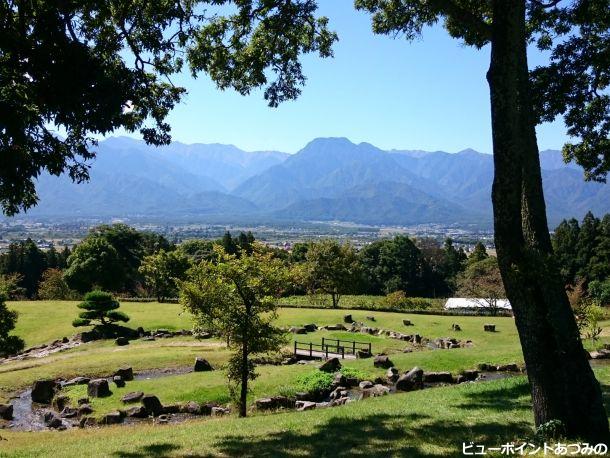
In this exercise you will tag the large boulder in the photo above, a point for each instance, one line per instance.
(118, 381)
(191, 407)
(412, 380)
(98, 388)
(470, 375)
(87, 422)
(152, 404)
(88, 336)
(121, 341)
(202, 365)
(489, 327)
(365, 384)
(77, 381)
(305, 405)
(43, 391)
(310, 327)
(84, 409)
(362, 354)
(297, 330)
(438, 377)
(348, 319)
(132, 397)
(392, 374)
(382, 361)
(331, 365)
(126, 373)
(508, 368)
(274, 402)
(136, 412)
(6, 411)
(407, 322)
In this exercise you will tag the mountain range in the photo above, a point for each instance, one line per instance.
(329, 179)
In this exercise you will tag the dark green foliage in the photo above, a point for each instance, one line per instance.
(478, 254)
(87, 68)
(162, 271)
(27, 260)
(9, 345)
(600, 291)
(454, 260)
(94, 262)
(101, 308)
(53, 286)
(583, 251)
(229, 244)
(198, 250)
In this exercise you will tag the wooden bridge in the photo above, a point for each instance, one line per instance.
(331, 348)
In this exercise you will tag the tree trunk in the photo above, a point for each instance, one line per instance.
(562, 382)
(243, 395)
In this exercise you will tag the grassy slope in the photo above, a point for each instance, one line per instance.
(430, 423)
(427, 423)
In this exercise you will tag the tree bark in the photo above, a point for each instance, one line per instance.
(562, 382)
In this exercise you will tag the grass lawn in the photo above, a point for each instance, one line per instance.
(429, 423)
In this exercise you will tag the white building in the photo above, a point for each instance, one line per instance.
(474, 303)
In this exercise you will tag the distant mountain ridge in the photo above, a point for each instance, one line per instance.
(329, 179)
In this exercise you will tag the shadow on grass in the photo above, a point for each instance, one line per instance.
(161, 450)
(500, 399)
(411, 435)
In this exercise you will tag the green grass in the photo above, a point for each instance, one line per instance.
(363, 302)
(429, 423)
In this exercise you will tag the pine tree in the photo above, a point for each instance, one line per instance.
(99, 306)
(9, 345)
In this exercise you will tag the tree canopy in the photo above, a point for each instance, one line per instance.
(73, 70)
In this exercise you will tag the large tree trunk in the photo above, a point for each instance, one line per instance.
(562, 382)
(243, 395)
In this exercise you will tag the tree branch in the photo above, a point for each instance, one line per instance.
(453, 11)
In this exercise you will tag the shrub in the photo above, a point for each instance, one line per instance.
(315, 381)
(99, 306)
(54, 287)
(9, 345)
(399, 301)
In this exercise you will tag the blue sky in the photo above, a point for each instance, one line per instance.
(430, 94)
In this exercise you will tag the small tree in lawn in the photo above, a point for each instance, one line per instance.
(236, 296)
(100, 308)
(482, 282)
(9, 345)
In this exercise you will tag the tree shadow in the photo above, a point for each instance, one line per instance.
(380, 435)
(159, 450)
(606, 397)
(499, 399)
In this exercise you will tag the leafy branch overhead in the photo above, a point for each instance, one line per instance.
(573, 85)
(73, 70)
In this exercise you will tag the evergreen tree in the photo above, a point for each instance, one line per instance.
(479, 253)
(585, 247)
(229, 244)
(100, 308)
(565, 241)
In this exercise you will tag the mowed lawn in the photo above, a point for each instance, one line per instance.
(429, 423)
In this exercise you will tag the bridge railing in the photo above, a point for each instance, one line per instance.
(332, 347)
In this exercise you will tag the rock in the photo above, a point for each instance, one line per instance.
(337, 393)
(60, 402)
(456, 327)
(112, 418)
(43, 391)
(171, 409)
(163, 418)
(362, 354)
(375, 391)
(438, 377)
(219, 411)
(460, 378)
(121, 341)
(126, 373)
(351, 381)
(77, 381)
(98, 388)
(365, 384)
(489, 327)
(412, 380)
(83, 401)
(136, 412)
(65, 340)
(370, 318)
(470, 375)
(310, 327)
(305, 405)
(134, 396)
(348, 319)
(297, 330)
(508, 368)
(339, 401)
(85, 409)
(339, 380)
(485, 367)
(69, 412)
(392, 374)
(336, 327)
(88, 336)
(202, 365)
(6, 411)
(407, 322)
(408, 350)
(206, 409)
(382, 361)
(152, 404)
(118, 381)
(331, 365)
(87, 422)
(289, 361)
(274, 402)
(52, 420)
(192, 408)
